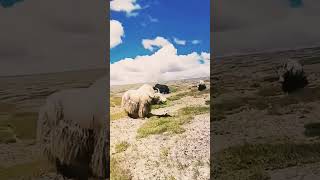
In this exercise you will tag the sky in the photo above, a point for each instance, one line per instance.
(42, 36)
(253, 25)
(153, 40)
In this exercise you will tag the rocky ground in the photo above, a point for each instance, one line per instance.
(167, 147)
(258, 132)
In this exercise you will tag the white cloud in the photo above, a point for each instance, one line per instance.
(205, 56)
(116, 33)
(153, 19)
(127, 6)
(163, 65)
(157, 42)
(179, 42)
(195, 41)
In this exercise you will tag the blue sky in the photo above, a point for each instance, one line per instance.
(166, 18)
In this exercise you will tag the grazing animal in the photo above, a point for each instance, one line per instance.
(201, 85)
(137, 103)
(292, 76)
(72, 131)
(164, 89)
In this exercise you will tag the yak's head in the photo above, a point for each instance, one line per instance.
(290, 67)
(280, 71)
(158, 98)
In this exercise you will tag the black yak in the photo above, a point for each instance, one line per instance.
(292, 76)
(163, 89)
(201, 86)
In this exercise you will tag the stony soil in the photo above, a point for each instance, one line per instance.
(273, 118)
(186, 155)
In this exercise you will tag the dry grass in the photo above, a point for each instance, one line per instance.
(163, 105)
(116, 170)
(194, 110)
(245, 158)
(170, 124)
(177, 96)
(164, 152)
(174, 89)
(27, 170)
(159, 125)
(118, 115)
(115, 101)
(122, 146)
(22, 124)
(193, 92)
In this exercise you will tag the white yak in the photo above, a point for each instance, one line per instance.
(73, 128)
(137, 103)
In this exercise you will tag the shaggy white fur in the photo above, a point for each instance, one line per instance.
(137, 103)
(290, 65)
(73, 124)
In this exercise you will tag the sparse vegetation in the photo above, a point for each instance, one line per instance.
(166, 122)
(164, 152)
(245, 158)
(193, 93)
(159, 125)
(116, 170)
(194, 110)
(171, 124)
(177, 96)
(22, 124)
(163, 105)
(118, 115)
(27, 170)
(173, 89)
(25, 124)
(171, 178)
(115, 101)
(122, 146)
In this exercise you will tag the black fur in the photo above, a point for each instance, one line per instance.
(201, 87)
(293, 82)
(79, 169)
(164, 89)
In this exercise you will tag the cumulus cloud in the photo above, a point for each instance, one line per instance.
(195, 41)
(163, 65)
(116, 33)
(205, 56)
(157, 42)
(179, 41)
(127, 6)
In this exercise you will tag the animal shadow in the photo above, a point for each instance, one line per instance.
(160, 115)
